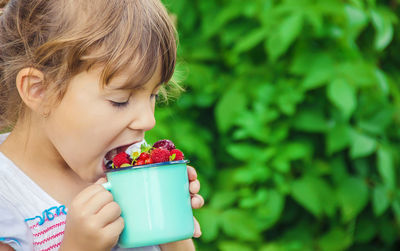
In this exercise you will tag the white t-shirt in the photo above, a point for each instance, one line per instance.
(30, 219)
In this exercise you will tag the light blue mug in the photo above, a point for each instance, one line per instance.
(155, 203)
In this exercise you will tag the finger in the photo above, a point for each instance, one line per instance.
(191, 173)
(101, 181)
(197, 201)
(114, 229)
(197, 230)
(98, 201)
(109, 213)
(87, 193)
(194, 186)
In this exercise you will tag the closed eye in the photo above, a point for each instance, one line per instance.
(119, 104)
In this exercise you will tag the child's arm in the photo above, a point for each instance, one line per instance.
(5, 247)
(185, 245)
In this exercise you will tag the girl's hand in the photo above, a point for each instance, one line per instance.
(93, 220)
(197, 200)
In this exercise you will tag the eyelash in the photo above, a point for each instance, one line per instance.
(119, 104)
(126, 103)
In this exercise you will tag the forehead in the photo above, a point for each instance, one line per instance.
(125, 80)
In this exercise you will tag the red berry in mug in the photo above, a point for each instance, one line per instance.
(164, 143)
(144, 156)
(121, 158)
(178, 154)
(159, 155)
(140, 162)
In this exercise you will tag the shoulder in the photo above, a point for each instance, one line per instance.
(13, 229)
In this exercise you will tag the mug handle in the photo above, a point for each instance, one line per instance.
(107, 186)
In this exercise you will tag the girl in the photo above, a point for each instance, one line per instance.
(78, 79)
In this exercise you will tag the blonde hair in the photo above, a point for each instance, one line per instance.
(62, 38)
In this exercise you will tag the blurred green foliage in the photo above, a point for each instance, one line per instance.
(291, 118)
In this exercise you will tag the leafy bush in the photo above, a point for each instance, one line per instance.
(291, 118)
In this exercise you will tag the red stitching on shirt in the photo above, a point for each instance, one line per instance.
(47, 239)
(52, 246)
(49, 228)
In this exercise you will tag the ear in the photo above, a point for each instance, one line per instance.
(31, 88)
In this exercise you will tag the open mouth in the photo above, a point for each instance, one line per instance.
(108, 158)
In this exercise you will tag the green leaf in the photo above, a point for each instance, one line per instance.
(357, 20)
(245, 152)
(284, 36)
(383, 27)
(380, 200)
(251, 174)
(239, 224)
(314, 195)
(273, 246)
(209, 220)
(388, 231)
(335, 239)
(304, 193)
(310, 120)
(386, 167)
(343, 96)
(232, 103)
(223, 199)
(382, 81)
(250, 40)
(362, 145)
(377, 123)
(365, 229)
(226, 14)
(296, 150)
(233, 246)
(320, 70)
(352, 194)
(270, 209)
(396, 209)
(338, 138)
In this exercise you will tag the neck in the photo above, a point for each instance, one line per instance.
(29, 148)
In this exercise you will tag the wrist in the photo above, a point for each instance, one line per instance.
(185, 245)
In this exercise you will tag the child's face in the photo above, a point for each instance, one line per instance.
(91, 121)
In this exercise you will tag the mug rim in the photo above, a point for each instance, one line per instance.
(147, 166)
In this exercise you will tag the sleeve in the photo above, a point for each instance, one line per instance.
(13, 229)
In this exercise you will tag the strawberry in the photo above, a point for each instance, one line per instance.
(159, 155)
(144, 156)
(176, 154)
(140, 162)
(120, 159)
(148, 161)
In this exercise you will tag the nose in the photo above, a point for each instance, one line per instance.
(143, 118)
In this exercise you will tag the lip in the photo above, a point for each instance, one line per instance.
(122, 148)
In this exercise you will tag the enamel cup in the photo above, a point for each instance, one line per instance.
(155, 203)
